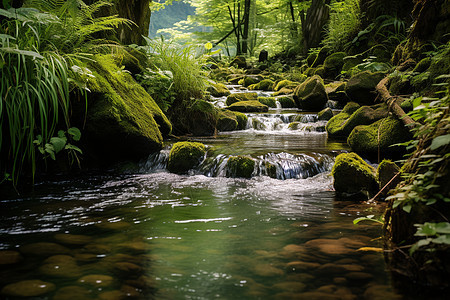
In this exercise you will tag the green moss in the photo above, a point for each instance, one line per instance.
(309, 72)
(320, 71)
(379, 136)
(361, 87)
(269, 101)
(218, 90)
(236, 97)
(386, 170)
(336, 91)
(335, 124)
(249, 80)
(248, 106)
(311, 60)
(284, 91)
(297, 77)
(242, 120)
(311, 95)
(200, 118)
(423, 65)
(294, 125)
(325, 114)
(240, 166)
(184, 156)
(352, 174)
(286, 102)
(231, 120)
(333, 64)
(271, 169)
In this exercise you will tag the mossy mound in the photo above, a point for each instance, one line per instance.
(386, 170)
(269, 101)
(284, 91)
(231, 120)
(422, 65)
(240, 166)
(320, 71)
(336, 91)
(239, 62)
(218, 90)
(285, 83)
(286, 102)
(325, 114)
(352, 174)
(184, 156)
(311, 95)
(379, 136)
(263, 85)
(122, 121)
(248, 106)
(361, 87)
(236, 97)
(199, 119)
(251, 79)
(334, 125)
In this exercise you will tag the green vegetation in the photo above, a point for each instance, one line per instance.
(240, 166)
(185, 156)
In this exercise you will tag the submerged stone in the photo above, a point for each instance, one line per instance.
(28, 288)
(73, 239)
(184, 156)
(96, 280)
(66, 269)
(72, 293)
(9, 257)
(43, 249)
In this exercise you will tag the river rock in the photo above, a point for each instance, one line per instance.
(55, 259)
(43, 249)
(303, 265)
(117, 226)
(251, 79)
(218, 90)
(248, 106)
(264, 85)
(331, 268)
(97, 249)
(333, 64)
(286, 84)
(352, 174)
(9, 257)
(134, 247)
(240, 166)
(112, 295)
(289, 286)
(72, 292)
(231, 120)
(85, 257)
(314, 295)
(336, 91)
(386, 170)
(361, 87)
(286, 101)
(66, 269)
(266, 270)
(28, 288)
(96, 280)
(380, 292)
(73, 239)
(184, 156)
(236, 97)
(325, 114)
(379, 136)
(311, 95)
(334, 246)
(334, 125)
(269, 101)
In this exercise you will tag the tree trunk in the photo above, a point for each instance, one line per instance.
(294, 29)
(246, 21)
(313, 24)
(137, 11)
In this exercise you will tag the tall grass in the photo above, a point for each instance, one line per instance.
(343, 26)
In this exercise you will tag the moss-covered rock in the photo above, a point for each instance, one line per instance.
(286, 101)
(325, 114)
(351, 61)
(248, 106)
(240, 166)
(218, 90)
(379, 136)
(199, 119)
(352, 174)
(285, 83)
(231, 120)
(263, 85)
(251, 79)
(422, 65)
(315, 59)
(184, 156)
(311, 95)
(336, 91)
(320, 71)
(122, 121)
(269, 101)
(386, 170)
(285, 91)
(239, 62)
(27, 288)
(361, 87)
(333, 64)
(335, 124)
(236, 97)
(400, 85)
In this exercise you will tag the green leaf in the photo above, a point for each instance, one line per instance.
(72, 147)
(50, 150)
(75, 133)
(440, 141)
(407, 208)
(58, 143)
(443, 239)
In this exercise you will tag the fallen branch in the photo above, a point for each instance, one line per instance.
(387, 186)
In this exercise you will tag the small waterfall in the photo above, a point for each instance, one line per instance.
(288, 123)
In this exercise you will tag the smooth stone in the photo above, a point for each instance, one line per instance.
(97, 280)
(131, 292)
(9, 257)
(135, 246)
(267, 270)
(112, 295)
(55, 259)
(380, 292)
(72, 293)
(266, 254)
(340, 280)
(302, 265)
(28, 288)
(120, 225)
(43, 249)
(85, 257)
(359, 277)
(97, 249)
(143, 282)
(337, 268)
(290, 286)
(66, 269)
(73, 239)
(127, 268)
(335, 246)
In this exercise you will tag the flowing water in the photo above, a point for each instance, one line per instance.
(150, 234)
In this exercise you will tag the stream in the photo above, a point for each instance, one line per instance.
(146, 233)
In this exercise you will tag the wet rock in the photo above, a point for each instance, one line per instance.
(334, 246)
(336, 92)
(127, 269)
(352, 174)
(267, 270)
(303, 265)
(292, 250)
(333, 64)
(73, 239)
(263, 85)
(96, 280)
(269, 101)
(143, 282)
(218, 90)
(72, 293)
(131, 292)
(198, 119)
(119, 225)
(380, 292)
(338, 268)
(9, 257)
(226, 121)
(286, 84)
(379, 136)
(248, 106)
(334, 125)
(28, 288)
(185, 156)
(97, 249)
(386, 171)
(55, 259)
(361, 87)
(311, 95)
(325, 114)
(63, 268)
(286, 101)
(240, 166)
(85, 257)
(43, 249)
(135, 247)
(112, 295)
(237, 97)
(248, 80)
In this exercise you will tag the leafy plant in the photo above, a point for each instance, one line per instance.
(59, 143)
(371, 218)
(159, 85)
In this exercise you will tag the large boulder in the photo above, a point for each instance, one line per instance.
(379, 136)
(218, 90)
(122, 120)
(286, 101)
(353, 175)
(386, 171)
(264, 85)
(325, 114)
(248, 106)
(361, 87)
(333, 64)
(240, 166)
(334, 125)
(336, 91)
(236, 97)
(311, 95)
(199, 119)
(231, 120)
(184, 156)
(269, 101)
(285, 83)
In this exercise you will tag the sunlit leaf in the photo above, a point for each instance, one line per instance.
(440, 141)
